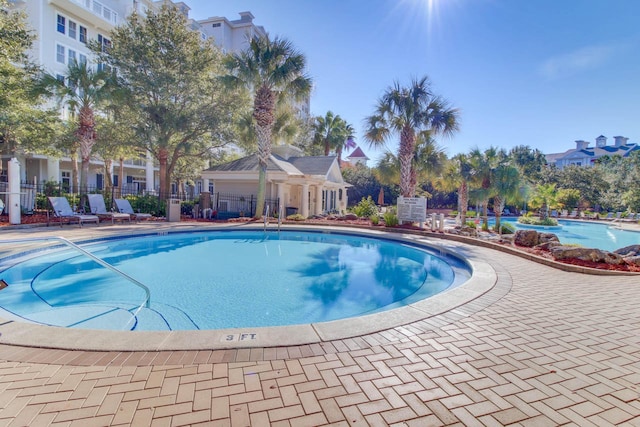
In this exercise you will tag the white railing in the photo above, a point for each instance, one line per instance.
(146, 302)
(99, 9)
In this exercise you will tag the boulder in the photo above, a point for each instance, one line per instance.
(350, 217)
(547, 246)
(526, 238)
(464, 231)
(586, 254)
(631, 250)
(547, 237)
(633, 260)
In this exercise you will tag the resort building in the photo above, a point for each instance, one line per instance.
(585, 156)
(308, 185)
(358, 157)
(63, 29)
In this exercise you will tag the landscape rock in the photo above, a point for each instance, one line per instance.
(526, 238)
(586, 254)
(630, 250)
(633, 260)
(547, 246)
(547, 237)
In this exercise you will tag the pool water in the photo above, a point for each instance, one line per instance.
(228, 279)
(608, 237)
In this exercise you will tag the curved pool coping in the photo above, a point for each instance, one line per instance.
(483, 279)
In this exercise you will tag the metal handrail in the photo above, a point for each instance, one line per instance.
(279, 217)
(266, 217)
(103, 263)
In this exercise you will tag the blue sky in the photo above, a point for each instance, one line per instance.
(541, 73)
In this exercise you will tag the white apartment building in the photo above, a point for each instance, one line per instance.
(63, 28)
(585, 156)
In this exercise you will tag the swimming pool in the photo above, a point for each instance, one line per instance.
(607, 237)
(224, 279)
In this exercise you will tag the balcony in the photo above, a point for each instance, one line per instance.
(89, 9)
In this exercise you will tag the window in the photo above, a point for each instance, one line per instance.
(115, 180)
(99, 181)
(61, 24)
(104, 42)
(60, 54)
(72, 29)
(83, 34)
(82, 59)
(60, 78)
(66, 178)
(71, 56)
(216, 25)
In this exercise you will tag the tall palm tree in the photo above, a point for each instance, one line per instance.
(506, 187)
(333, 133)
(271, 70)
(483, 165)
(455, 176)
(407, 111)
(544, 197)
(83, 91)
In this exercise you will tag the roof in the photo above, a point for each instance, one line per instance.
(303, 165)
(249, 163)
(357, 154)
(313, 165)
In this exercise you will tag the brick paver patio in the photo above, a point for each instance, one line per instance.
(545, 347)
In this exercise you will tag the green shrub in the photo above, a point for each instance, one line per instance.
(534, 220)
(296, 217)
(365, 208)
(470, 224)
(390, 218)
(374, 219)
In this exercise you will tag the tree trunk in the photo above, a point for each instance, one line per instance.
(75, 176)
(163, 155)
(263, 108)
(108, 181)
(87, 138)
(121, 179)
(464, 201)
(498, 206)
(405, 156)
(84, 175)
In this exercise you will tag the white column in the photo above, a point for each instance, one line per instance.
(280, 188)
(305, 200)
(318, 200)
(345, 199)
(149, 172)
(53, 170)
(14, 191)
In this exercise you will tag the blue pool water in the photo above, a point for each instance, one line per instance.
(226, 279)
(588, 234)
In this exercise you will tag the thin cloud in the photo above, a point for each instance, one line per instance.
(570, 64)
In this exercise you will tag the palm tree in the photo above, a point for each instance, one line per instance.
(455, 177)
(272, 71)
(83, 91)
(483, 165)
(407, 111)
(506, 187)
(544, 196)
(333, 133)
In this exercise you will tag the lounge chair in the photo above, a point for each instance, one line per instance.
(554, 214)
(125, 207)
(97, 206)
(62, 210)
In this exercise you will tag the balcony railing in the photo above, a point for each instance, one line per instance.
(99, 9)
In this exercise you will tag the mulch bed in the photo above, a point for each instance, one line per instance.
(42, 219)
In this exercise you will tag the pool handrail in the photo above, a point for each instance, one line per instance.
(103, 263)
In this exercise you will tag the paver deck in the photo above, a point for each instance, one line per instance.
(544, 347)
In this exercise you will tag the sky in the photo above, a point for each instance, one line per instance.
(541, 73)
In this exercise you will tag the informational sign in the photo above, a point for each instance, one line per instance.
(412, 209)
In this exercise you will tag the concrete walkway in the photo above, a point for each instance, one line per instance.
(542, 347)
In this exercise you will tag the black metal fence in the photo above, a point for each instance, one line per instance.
(33, 198)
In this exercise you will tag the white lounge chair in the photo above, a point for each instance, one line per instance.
(125, 207)
(97, 206)
(62, 210)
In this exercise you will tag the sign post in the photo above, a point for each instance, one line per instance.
(412, 209)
